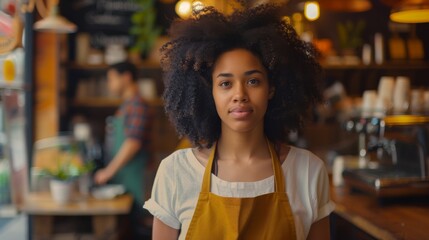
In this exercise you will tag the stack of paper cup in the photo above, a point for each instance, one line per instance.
(385, 93)
(416, 105)
(401, 95)
(381, 108)
(368, 102)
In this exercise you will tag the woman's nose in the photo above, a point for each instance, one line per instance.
(240, 94)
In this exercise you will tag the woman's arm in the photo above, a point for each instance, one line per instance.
(320, 230)
(161, 231)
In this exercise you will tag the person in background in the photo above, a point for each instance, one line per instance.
(235, 85)
(127, 135)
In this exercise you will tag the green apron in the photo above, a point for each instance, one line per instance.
(131, 175)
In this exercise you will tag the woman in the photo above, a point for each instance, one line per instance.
(235, 86)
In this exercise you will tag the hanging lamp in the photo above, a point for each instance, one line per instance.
(346, 5)
(53, 22)
(410, 11)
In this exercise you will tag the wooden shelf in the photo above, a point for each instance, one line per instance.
(386, 66)
(103, 67)
(97, 102)
(158, 102)
(108, 102)
(14, 86)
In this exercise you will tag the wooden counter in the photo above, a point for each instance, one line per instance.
(43, 204)
(104, 213)
(401, 220)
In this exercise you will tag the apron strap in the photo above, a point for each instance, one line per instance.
(277, 168)
(205, 188)
(278, 172)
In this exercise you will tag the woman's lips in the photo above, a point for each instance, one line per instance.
(240, 112)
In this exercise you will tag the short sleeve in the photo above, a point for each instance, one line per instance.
(162, 201)
(322, 203)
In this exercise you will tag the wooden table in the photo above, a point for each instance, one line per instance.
(407, 219)
(104, 213)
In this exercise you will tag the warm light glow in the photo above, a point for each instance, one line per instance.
(197, 6)
(297, 17)
(311, 10)
(410, 16)
(184, 8)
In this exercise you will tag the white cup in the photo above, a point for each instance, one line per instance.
(380, 107)
(378, 48)
(385, 90)
(337, 171)
(416, 102)
(368, 102)
(82, 131)
(366, 54)
(147, 88)
(340, 164)
(401, 95)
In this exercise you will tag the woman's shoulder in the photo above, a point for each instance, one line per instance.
(174, 157)
(301, 157)
(181, 160)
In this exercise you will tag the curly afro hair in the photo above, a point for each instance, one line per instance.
(189, 57)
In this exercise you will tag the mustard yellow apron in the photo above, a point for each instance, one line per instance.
(268, 216)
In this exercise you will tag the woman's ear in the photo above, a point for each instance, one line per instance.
(271, 93)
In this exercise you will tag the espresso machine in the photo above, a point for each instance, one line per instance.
(393, 155)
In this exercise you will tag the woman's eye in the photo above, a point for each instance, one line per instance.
(225, 84)
(253, 81)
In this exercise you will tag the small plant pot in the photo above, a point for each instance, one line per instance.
(61, 191)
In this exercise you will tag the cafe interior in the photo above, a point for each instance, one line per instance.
(371, 129)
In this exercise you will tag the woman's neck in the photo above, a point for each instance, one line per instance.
(242, 146)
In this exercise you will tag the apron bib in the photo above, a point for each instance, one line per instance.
(268, 216)
(131, 174)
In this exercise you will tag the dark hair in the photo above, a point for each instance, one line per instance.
(123, 67)
(196, 43)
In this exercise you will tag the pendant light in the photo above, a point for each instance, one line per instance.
(53, 22)
(410, 11)
(311, 10)
(183, 8)
(346, 5)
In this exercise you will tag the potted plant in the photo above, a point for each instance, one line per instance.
(67, 167)
(350, 36)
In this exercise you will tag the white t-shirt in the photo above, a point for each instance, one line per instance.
(178, 183)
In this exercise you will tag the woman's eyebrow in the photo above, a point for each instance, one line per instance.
(247, 73)
(224, 75)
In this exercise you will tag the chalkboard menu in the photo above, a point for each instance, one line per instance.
(107, 21)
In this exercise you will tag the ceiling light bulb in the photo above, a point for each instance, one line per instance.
(311, 10)
(183, 8)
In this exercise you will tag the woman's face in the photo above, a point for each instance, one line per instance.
(240, 90)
